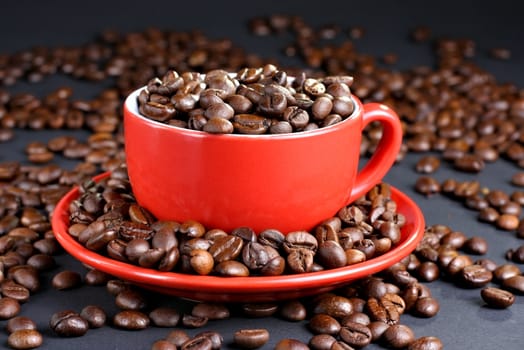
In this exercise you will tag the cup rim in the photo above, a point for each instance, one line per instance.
(131, 107)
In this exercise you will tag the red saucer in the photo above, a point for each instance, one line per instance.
(241, 289)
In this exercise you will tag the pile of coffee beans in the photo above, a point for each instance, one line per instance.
(107, 219)
(253, 101)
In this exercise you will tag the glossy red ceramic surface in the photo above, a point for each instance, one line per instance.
(242, 289)
(287, 181)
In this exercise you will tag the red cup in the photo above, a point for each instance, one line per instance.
(285, 181)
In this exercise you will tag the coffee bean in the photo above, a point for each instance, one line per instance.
(322, 342)
(197, 343)
(355, 334)
(426, 307)
(293, 310)
(475, 276)
(507, 222)
(66, 280)
(251, 338)
(331, 255)
(177, 337)
(96, 278)
(259, 309)
(163, 345)
(68, 323)
(9, 308)
(324, 324)
(131, 320)
(191, 321)
(19, 323)
(334, 306)
(514, 284)
(426, 343)
(497, 298)
(398, 336)
(25, 339)
(290, 344)
(218, 126)
(210, 311)
(94, 315)
(130, 299)
(427, 185)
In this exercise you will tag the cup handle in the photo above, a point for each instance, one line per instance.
(386, 152)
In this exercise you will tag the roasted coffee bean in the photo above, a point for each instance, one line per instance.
(197, 343)
(68, 323)
(25, 339)
(497, 298)
(377, 328)
(131, 320)
(427, 185)
(96, 277)
(324, 324)
(26, 276)
(333, 305)
(476, 245)
(94, 315)
(215, 337)
(507, 222)
(514, 284)
(259, 309)
(130, 299)
(226, 248)
(19, 323)
(331, 255)
(383, 310)
(66, 280)
(426, 343)
(251, 338)
(398, 336)
(290, 344)
(191, 321)
(475, 276)
(41, 262)
(425, 307)
(293, 310)
(15, 291)
(163, 345)
(177, 337)
(506, 271)
(322, 342)
(210, 311)
(164, 317)
(250, 124)
(355, 334)
(232, 268)
(9, 308)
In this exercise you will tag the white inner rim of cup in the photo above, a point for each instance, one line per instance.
(131, 103)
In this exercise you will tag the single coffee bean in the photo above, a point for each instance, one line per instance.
(355, 334)
(377, 328)
(506, 271)
(9, 308)
(334, 306)
(191, 321)
(324, 324)
(20, 322)
(293, 310)
(475, 276)
(165, 317)
(290, 344)
(215, 337)
(163, 345)
(218, 126)
(426, 307)
(398, 336)
(210, 311)
(259, 309)
(94, 315)
(497, 298)
(251, 338)
(131, 320)
(25, 339)
(427, 164)
(476, 245)
(426, 343)
(322, 342)
(130, 299)
(66, 280)
(331, 255)
(178, 337)
(68, 323)
(96, 278)
(197, 343)
(514, 284)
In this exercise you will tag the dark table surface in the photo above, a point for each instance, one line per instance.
(463, 321)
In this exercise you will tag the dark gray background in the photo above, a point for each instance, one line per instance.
(463, 321)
